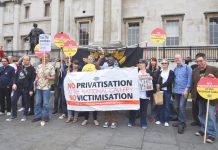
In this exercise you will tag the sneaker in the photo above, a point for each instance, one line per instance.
(62, 116)
(36, 119)
(210, 139)
(8, 113)
(166, 124)
(21, 109)
(157, 122)
(10, 119)
(106, 125)
(23, 119)
(96, 123)
(85, 122)
(130, 125)
(113, 125)
(199, 133)
(1, 113)
(144, 127)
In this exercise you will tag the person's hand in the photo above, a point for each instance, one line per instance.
(211, 75)
(14, 87)
(85, 60)
(30, 93)
(102, 56)
(185, 93)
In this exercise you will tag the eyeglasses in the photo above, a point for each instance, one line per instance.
(164, 63)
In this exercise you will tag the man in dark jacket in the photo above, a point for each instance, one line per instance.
(204, 70)
(6, 75)
(23, 85)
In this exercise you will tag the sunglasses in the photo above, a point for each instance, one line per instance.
(164, 63)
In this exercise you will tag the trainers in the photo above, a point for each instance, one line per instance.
(62, 116)
(157, 122)
(210, 139)
(84, 122)
(23, 119)
(113, 125)
(199, 133)
(166, 124)
(106, 125)
(96, 123)
(130, 125)
(144, 127)
(8, 113)
(21, 109)
(36, 119)
(10, 119)
(1, 113)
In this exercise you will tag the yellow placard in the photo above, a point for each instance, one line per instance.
(89, 68)
(158, 39)
(69, 51)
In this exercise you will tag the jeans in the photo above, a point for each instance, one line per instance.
(45, 95)
(180, 105)
(165, 110)
(15, 98)
(57, 98)
(211, 128)
(143, 113)
(5, 93)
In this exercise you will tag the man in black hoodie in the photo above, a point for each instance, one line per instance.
(23, 85)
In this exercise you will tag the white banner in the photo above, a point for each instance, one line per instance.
(102, 90)
(45, 42)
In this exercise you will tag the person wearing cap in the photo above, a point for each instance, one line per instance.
(6, 80)
(143, 95)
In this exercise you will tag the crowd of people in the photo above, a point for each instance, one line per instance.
(32, 84)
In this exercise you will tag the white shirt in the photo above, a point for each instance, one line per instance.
(164, 75)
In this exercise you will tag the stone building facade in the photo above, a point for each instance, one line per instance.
(109, 23)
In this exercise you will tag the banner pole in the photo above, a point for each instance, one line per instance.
(61, 60)
(68, 65)
(206, 121)
(157, 53)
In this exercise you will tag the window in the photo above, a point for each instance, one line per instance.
(133, 33)
(84, 33)
(172, 31)
(27, 12)
(8, 43)
(213, 28)
(47, 10)
(173, 27)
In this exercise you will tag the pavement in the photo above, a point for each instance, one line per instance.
(58, 135)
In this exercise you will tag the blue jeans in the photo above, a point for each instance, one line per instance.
(211, 128)
(15, 98)
(165, 110)
(180, 105)
(143, 113)
(45, 95)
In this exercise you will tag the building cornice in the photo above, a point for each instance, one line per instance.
(84, 18)
(206, 14)
(172, 15)
(141, 19)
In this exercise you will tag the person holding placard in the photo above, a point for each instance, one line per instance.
(144, 74)
(204, 70)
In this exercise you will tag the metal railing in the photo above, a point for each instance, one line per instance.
(149, 52)
(169, 52)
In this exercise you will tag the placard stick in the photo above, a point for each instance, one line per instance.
(61, 50)
(157, 53)
(68, 65)
(206, 121)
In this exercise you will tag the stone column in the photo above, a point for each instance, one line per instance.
(55, 8)
(16, 31)
(99, 22)
(116, 20)
(1, 23)
(67, 6)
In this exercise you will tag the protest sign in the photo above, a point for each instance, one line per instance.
(145, 83)
(45, 42)
(102, 90)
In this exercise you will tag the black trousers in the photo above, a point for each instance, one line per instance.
(195, 111)
(5, 94)
(86, 115)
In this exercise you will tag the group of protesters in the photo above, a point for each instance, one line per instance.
(32, 84)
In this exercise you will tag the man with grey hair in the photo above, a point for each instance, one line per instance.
(182, 86)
